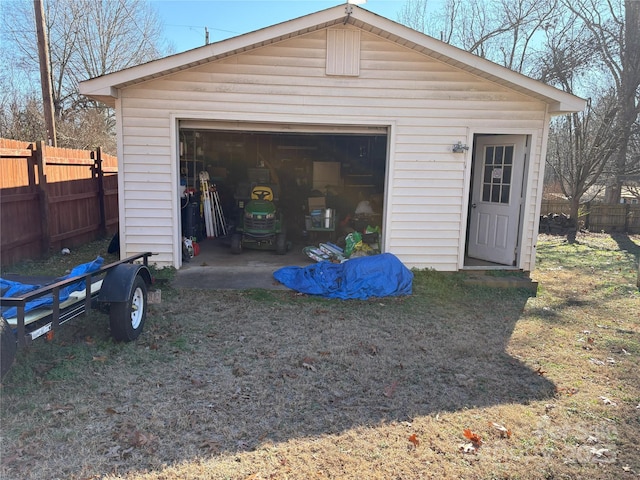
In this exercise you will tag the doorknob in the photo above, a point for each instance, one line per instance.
(473, 205)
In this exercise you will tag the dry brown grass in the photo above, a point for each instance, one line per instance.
(274, 385)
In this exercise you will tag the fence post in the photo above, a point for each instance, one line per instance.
(99, 176)
(43, 193)
(627, 213)
(587, 217)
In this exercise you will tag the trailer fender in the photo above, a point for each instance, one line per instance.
(117, 285)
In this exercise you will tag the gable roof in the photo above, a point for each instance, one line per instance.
(105, 88)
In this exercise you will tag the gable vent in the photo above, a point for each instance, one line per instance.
(343, 52)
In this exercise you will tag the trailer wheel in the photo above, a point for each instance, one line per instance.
(9, 345)
(127, 318)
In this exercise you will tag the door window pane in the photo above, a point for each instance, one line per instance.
(497, 169)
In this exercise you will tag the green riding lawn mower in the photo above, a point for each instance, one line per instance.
(260, 223)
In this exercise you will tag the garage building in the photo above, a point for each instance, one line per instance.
(347, 106)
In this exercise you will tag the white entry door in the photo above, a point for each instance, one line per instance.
(496, 198)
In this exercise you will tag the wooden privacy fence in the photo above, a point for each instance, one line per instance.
(52, 198)
(599, 217)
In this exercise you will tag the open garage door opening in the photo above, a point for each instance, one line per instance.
(322, 185)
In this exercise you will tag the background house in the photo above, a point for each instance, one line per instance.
(448, 147)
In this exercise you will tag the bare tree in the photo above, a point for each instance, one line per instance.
(415, 14)
(22, 118)
(502, 31)
(87, 39)
(580, 148)
(581, 145)
(615, 31)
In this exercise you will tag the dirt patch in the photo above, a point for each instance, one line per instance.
(272, 384)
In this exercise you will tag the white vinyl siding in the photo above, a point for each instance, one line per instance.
(429, 105)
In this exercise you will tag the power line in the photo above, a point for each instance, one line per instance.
(201, 26)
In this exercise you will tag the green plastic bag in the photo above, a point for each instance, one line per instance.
(352, 240)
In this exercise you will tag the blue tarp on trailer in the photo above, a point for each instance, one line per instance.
(9, 288)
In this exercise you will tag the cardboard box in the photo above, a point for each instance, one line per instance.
(326, 174)
(317, 203)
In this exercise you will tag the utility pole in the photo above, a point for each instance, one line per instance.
(45, 73)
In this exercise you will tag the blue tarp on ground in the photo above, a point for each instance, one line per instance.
(359, 278)
(17, 289)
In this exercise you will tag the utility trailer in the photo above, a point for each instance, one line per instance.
(119, 288)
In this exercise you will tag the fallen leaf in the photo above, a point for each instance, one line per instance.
(239, 371)
(210, 445)
(242, 445)
(113, 452)
(414, 439)
(504, 432)
(567, 390)
(126, 451)
(49, 335)
(599, 452)
(58, 409)
(467, 448)
(390, 390)
(474, 437)
(140, 439)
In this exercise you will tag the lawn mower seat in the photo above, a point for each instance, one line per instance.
(262, 192)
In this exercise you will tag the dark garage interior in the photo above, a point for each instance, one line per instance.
(324, 185)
